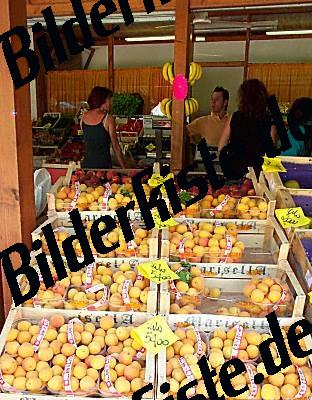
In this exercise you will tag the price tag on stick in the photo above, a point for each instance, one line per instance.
(292, 217)
(159, 224)
(154, 335)
(273, 165)
(157, 271)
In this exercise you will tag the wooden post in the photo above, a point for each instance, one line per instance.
(110, 54)
(17, 207)
(247, 48)
(181, 66)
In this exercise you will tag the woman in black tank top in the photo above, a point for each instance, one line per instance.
(100, 132)
(249, 134)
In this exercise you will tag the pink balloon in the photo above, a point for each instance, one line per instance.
(180, 87)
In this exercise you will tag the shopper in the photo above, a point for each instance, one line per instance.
(100, 131)
(249, 133)
(300, 128)
(211, 126)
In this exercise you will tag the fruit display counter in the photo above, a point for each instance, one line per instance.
(211, 241)
(178, 364)
(237, 293)
(298, 175)
(60, 355)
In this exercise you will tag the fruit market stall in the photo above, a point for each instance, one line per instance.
(301, 257)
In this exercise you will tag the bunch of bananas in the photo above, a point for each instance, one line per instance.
(191, 106)
(196, 72)
(166, 107)
(168, 72)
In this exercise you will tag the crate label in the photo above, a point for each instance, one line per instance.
(67, 374)
(89, 275)
(254, 387)
(107, 377)
(308, 278)
(154, 335)
(199, 342)
(303, 384)
(187, 372)
(157, 271)
(273, 165)
(43, 330)
(292, 217)
(237, 341)
(108, 192)
(125, 291)
(220, 206)
(70, 331)
(77, 194)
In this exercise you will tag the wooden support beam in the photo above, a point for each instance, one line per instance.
(17, 208)
(221, 64)
(181, 67)
(247, 49)
(89, 59)
(110, 55)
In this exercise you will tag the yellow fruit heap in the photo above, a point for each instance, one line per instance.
(252, 208)
(205, 242)
(91, 198)
(141, 238)
(30, 371)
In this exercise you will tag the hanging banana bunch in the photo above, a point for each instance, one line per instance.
(196, 73)
(168, 72)
(191, 106)
(166, 107)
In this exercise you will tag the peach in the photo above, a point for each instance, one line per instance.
(57, 320)
(125, 358)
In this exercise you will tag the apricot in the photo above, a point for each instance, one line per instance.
(86, 338)
(95, 347)
(23, 337)
(106, 323)
(136, 384)
(57, 370)
(45, 374)
(82, 352)
(130, 373)
(19, 383)
(19, 371)
(33, 385)
(252, 351)
(59, 360)
(122, 333)
(97, 362)
(288, 392)
(269, 392)
(55, 384)
(29, 364)
(277, 379)
(45, 354)
(216, 342)
(12, 347)
(87, 383)
(125, 358)
(111, 340)
(8, 365)
(23, 325)
(41, 365)
(274, 296)
(79, 371)
(257, 296)
(122, 385)
(68, 349)
(253, 338)
(12, 335)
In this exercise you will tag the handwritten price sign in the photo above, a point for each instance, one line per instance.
(292, 217)
(154, 335)
(157, 271)
(273, 165)
(159, 224)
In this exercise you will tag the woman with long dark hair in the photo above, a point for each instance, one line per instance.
(249, 133)
(100, 131)
(300, 128)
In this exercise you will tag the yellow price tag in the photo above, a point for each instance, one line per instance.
(157, 271)
(159, 224)
(157, 179)
(154, 335)
(273, 165)
(310, 297)
(292, 217)
(150, 147)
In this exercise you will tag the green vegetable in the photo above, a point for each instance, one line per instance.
(125, 104)
(184, 276)
(184, 197)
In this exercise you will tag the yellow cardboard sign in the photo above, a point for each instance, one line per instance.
(154, 335)
(159, 224)
(292, 217)
(157, 271)
(273, 165)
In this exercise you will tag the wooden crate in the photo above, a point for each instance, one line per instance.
(134, 215)
(274, 181)
(265, 244)
(162, 360)
(299, 259)
(113, 264)
(232, 281)
(62, 224)
(36, 315)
